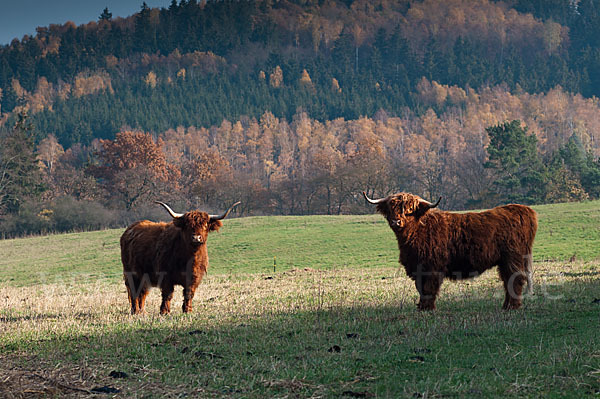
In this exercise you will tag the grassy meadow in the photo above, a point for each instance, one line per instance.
(336, 318)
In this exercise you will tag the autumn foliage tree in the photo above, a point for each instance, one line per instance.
(207, 177)
(133, 168)
(49, 151)
(69, 177)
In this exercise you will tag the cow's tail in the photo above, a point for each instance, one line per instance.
(529, 274)
(529, 261)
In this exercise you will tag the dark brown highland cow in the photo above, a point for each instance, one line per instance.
(435, 244)
(167, 254)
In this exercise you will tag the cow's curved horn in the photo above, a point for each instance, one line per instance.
(374, 202)
(430, 205)
(173, 214)
(224, 214)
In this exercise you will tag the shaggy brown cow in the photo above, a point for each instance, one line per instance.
(167, 254)
(435, 244)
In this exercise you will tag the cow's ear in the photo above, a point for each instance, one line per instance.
(383, 208)
(179, 222)
(424, 206)
(214, 225)
(412, 206)
(420, 209)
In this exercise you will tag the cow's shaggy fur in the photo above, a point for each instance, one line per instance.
(164, 255)
(435, 244)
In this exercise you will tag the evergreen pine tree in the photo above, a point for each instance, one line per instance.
(520, 175)
(20, 176)
(573, 155)
(590, 178)
(106, 15)
(584, 166)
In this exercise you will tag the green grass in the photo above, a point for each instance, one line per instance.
(248, 245)
(569, 229)
(254, 333)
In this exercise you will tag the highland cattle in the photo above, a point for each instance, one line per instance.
(167, 254)
(435, 244)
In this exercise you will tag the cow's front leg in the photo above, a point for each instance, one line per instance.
(428, 284)
(188, 295)
(167, 295)
(141, 299)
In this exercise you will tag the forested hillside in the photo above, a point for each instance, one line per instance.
(295, 106)
(202, 62)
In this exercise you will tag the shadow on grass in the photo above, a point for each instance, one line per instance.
(582, 274)
(468, 347)
(12, 318)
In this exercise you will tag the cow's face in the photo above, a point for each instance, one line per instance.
(399, 209)
(195, 227)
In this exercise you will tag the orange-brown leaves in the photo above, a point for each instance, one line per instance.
(48, 152)
(484, 21)
(208, 167)
(134, 167)
(85, 84)
(130, 150)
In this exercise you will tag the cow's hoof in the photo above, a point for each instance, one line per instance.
(511, 306)
(426, 306)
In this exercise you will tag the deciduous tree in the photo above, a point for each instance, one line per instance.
(134, 168)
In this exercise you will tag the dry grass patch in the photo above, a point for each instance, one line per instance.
(306, 333)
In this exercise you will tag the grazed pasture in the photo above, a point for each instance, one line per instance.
(336, 318)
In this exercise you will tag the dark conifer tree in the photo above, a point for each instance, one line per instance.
(106, 15)
(20, 177)
(519, 174)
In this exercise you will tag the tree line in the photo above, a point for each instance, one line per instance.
(489, 147)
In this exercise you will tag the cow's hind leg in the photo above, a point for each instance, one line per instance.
(133, 290)
(167, 295)
(188, 295)
(137, 291)
(132, 299)
(514, 275)
(428, 287)
(528, 261)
